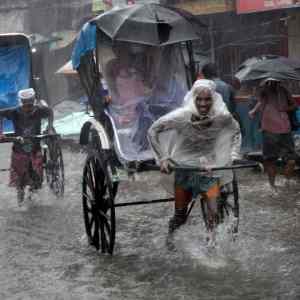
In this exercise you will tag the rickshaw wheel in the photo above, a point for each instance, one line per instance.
(54, 166)
(227, 205)
(98, 194)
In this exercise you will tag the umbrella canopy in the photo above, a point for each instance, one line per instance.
(150, 24)
(277, 67)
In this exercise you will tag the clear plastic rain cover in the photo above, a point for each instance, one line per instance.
(144, 83)
(182, 137)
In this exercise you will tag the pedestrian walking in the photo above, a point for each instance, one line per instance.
(209, 71)
(275, 104)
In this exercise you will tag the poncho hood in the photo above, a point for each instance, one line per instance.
(218, 107)
(177, 137)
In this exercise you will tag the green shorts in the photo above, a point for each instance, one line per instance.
(194, 182)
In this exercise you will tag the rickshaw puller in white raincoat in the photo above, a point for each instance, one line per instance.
(202, 133)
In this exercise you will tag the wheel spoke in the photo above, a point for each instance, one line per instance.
(96, 233)
(106, 204)
(105, 229)
(89, 220)
(107, 226)
(88, 209)
(90, 185)
(90, 200)
(104, 242)
(91, 175)
(103, 189)
(92, 221)
(88, 180)
(103, 215)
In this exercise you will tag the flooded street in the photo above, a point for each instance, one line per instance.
(187, 82)
(44, 254)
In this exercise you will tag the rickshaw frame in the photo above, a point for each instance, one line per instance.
(101, 170)
(53, 165)
(51, 148)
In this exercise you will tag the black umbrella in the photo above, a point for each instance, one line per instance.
(150, 24)
(277, 67)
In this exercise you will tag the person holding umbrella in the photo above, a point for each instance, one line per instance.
(275, 103)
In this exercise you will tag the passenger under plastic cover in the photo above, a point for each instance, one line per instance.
(144, 83)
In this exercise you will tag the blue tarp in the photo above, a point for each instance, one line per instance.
(86, 41)
(14, 74)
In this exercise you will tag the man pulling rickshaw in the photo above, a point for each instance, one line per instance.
(195, 136)
(26, 167)
(201, 133)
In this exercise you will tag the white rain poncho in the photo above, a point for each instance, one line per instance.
(175, 137)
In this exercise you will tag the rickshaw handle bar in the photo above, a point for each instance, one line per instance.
(198, 169)
(12, 138)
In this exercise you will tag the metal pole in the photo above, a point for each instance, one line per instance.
(143, 202)
(199, 169)
(212, 40)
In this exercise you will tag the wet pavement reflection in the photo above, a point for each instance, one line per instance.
(44, 252)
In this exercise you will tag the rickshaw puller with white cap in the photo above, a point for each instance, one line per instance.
(26, 158)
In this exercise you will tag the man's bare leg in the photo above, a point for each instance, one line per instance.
(20, 195)
(270, 167)
(182, 200)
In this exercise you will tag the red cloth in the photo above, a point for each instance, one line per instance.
(274, 116)
(26, 169)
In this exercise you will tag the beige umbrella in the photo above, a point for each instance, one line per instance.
(67, 69)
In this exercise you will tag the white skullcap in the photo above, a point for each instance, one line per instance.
(205, 84)
(26, 95)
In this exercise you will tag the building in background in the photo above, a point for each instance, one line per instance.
(237, 30)
(240, 29)
(252, 6)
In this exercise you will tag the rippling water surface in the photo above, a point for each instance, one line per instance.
(44, 254)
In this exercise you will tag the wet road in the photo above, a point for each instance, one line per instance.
(44, 255)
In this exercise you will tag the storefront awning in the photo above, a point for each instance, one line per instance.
(204, 7)
(249, 6)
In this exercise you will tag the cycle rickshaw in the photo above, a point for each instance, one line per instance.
(144, 53)
(16, 74)
(53, 164)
